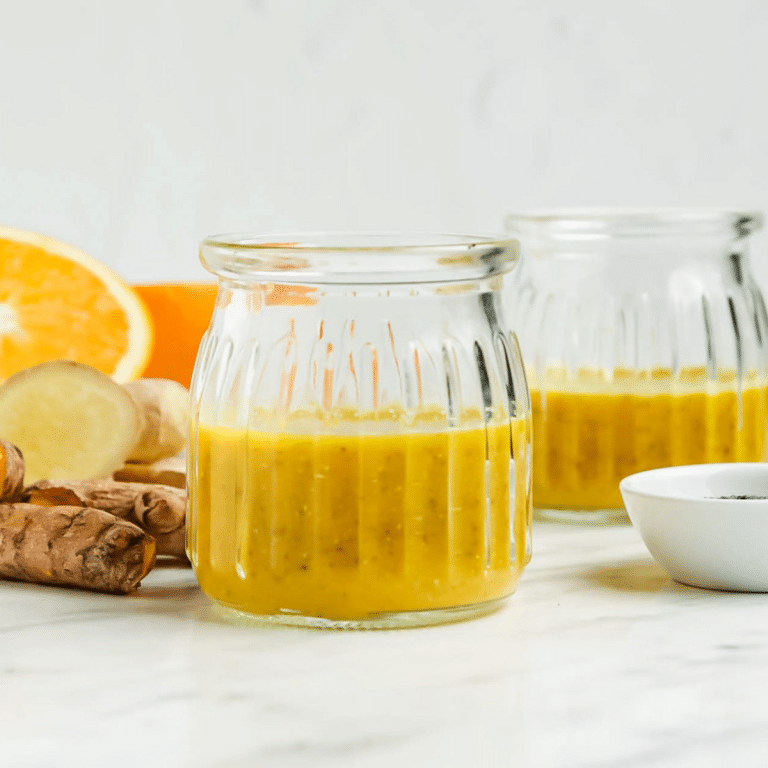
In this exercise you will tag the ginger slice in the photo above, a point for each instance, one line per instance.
(69, 420)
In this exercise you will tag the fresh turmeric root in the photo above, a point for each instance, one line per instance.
(160, 510)
(73, 546)
(11, 472)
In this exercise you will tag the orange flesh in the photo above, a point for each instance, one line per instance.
(345, 526)
(43, 295)
(585, 442)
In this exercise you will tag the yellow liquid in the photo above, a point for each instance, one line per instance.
(347, 526)
(585, 442)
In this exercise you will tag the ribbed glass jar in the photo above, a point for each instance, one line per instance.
(360, 453)
(645, 338)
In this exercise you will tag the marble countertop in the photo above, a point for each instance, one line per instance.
(598, 660)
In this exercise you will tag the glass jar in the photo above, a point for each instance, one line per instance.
(360, 450)
(644, 335)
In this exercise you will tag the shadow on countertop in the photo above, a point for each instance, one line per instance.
(632, 576)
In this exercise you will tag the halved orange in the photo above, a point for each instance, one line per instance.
(58, 303)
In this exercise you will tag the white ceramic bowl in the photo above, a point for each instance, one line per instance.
(700, 538)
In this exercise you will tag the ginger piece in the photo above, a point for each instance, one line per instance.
(164, 406)
(160, 510)
(171, 471)
(11, 472)
(173, 544)
(115, 498)
(69, 420)
(73, 546)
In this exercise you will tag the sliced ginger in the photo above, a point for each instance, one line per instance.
(73, 422)
(69, 420)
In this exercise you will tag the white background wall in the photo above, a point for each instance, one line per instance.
(133, 129)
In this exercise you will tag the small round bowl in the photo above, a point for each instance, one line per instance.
(695, 525)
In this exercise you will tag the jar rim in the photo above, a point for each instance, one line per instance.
(616, 222)
(358, 257)
(410, 240)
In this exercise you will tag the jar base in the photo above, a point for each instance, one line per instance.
(582, 516)
(389, 620)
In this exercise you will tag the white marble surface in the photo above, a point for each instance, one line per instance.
(598, 660)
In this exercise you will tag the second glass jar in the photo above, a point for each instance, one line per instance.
(645, 338)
